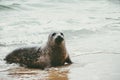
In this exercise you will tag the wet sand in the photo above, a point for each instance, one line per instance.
(96, 66)
(91, 28)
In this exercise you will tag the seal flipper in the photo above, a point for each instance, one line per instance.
(68, 60)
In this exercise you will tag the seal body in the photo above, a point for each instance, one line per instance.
(53, 54)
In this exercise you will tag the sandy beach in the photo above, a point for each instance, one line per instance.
(91, 29)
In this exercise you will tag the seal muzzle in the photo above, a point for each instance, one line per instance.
(58, 40)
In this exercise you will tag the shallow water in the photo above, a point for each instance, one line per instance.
(91, 28)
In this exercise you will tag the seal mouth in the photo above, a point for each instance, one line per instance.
(58, 40)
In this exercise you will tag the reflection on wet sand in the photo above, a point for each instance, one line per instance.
(21, 73)
(57, 74)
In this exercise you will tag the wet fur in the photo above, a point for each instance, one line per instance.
(40, 57)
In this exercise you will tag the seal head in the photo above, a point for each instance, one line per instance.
(56, 38)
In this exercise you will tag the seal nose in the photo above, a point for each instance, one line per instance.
(59, 39)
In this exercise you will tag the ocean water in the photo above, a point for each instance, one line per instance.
(91, 29)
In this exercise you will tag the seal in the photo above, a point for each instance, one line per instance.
(54, 53)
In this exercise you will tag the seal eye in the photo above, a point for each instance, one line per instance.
(62, 34)
(53, 34)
